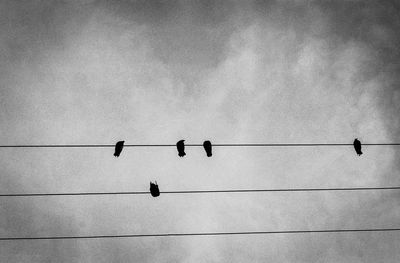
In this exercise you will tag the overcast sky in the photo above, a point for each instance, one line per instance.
(96, 72)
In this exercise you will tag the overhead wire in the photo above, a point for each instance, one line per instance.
(199, 192)
(206, 191)
(193, 145)
(202, 234)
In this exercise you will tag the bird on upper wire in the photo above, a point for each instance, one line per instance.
(154, 191)
(208, 148)
(357, 146)
(181, 148)
(118, 148)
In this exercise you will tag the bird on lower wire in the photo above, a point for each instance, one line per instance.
(154, 191)
(208, 148)
(118, 148)
(357, 146)
(181, 148)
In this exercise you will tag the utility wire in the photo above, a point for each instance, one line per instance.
(210, 191)
(203, 234)
(192, 145)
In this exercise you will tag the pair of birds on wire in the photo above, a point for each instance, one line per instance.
(180, 146)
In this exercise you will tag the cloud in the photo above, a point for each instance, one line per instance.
(157, 72)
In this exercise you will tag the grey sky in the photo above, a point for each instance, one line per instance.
(87, 72)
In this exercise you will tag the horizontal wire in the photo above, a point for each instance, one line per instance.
(203, 234)
(192, 145)
(209, 191)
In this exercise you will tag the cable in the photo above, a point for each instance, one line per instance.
(203, 234)
(194, 145)
(209, 191)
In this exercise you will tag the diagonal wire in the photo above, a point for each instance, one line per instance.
(203, 234)
(207, 191)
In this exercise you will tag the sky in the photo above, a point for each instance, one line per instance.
(155, 72)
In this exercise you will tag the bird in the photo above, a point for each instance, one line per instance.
(357, 146)
(154, 191)
(208, 148)
(181, 148)
(118, 148)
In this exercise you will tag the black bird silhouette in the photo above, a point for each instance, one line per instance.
(181, 148)
(208, 148)
(154, 191)
(357, 146)
(118, 148)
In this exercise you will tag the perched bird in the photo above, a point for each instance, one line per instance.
(181, 148)
(357, 146)
(118, 148)
(208, 148)
(154, 191)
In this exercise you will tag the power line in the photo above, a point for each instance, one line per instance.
(203, 234)
(194, 145)
(209, 191)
